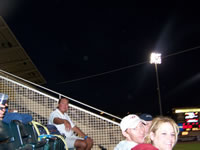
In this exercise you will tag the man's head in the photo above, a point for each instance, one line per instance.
(63, 104)
(148, 119)
(132, 128)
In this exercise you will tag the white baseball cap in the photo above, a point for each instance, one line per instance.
(130, 121)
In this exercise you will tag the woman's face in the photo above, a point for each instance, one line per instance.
(164, 137)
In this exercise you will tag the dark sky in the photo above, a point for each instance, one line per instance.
(69, 40)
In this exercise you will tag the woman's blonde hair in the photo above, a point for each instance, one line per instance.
(156, 123)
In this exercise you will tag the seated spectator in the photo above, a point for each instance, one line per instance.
(148, 119)
(7, 115)
(62, 121)
(144, 147)
(163, 133)
(133, 130)
(3, 104)
(2, 111)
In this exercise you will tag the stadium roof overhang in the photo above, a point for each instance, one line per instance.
(14, 59)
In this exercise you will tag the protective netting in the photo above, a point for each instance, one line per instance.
(26, 99)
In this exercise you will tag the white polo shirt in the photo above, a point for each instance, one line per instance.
(125, 145)
(61, 127)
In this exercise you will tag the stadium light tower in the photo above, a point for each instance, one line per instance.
(156, 59)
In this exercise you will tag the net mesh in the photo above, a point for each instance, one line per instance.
(26, 99)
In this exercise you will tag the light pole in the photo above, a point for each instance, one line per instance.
(156, 59)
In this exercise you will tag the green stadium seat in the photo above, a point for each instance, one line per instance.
(18, 136)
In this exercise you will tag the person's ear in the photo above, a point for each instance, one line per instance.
(125, 134)
(152, 136)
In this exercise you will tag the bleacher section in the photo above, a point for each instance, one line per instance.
(29, 99)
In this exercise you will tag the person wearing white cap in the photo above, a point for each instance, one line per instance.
(133, 130)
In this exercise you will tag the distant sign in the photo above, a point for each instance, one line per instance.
(191, 117)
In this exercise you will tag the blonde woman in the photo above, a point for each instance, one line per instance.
(163, 133)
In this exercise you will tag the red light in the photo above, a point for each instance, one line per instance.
(185, 127)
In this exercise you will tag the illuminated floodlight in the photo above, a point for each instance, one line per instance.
(155, 58)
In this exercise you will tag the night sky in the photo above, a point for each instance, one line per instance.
(97, 52)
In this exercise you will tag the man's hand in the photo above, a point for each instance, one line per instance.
(67, 125)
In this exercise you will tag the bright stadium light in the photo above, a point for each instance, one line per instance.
(156, 59)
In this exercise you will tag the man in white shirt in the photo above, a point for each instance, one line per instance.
(62, 121)
(133, 130)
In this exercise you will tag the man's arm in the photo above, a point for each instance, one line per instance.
(62, 121)
(83, 135)
(78, 131)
